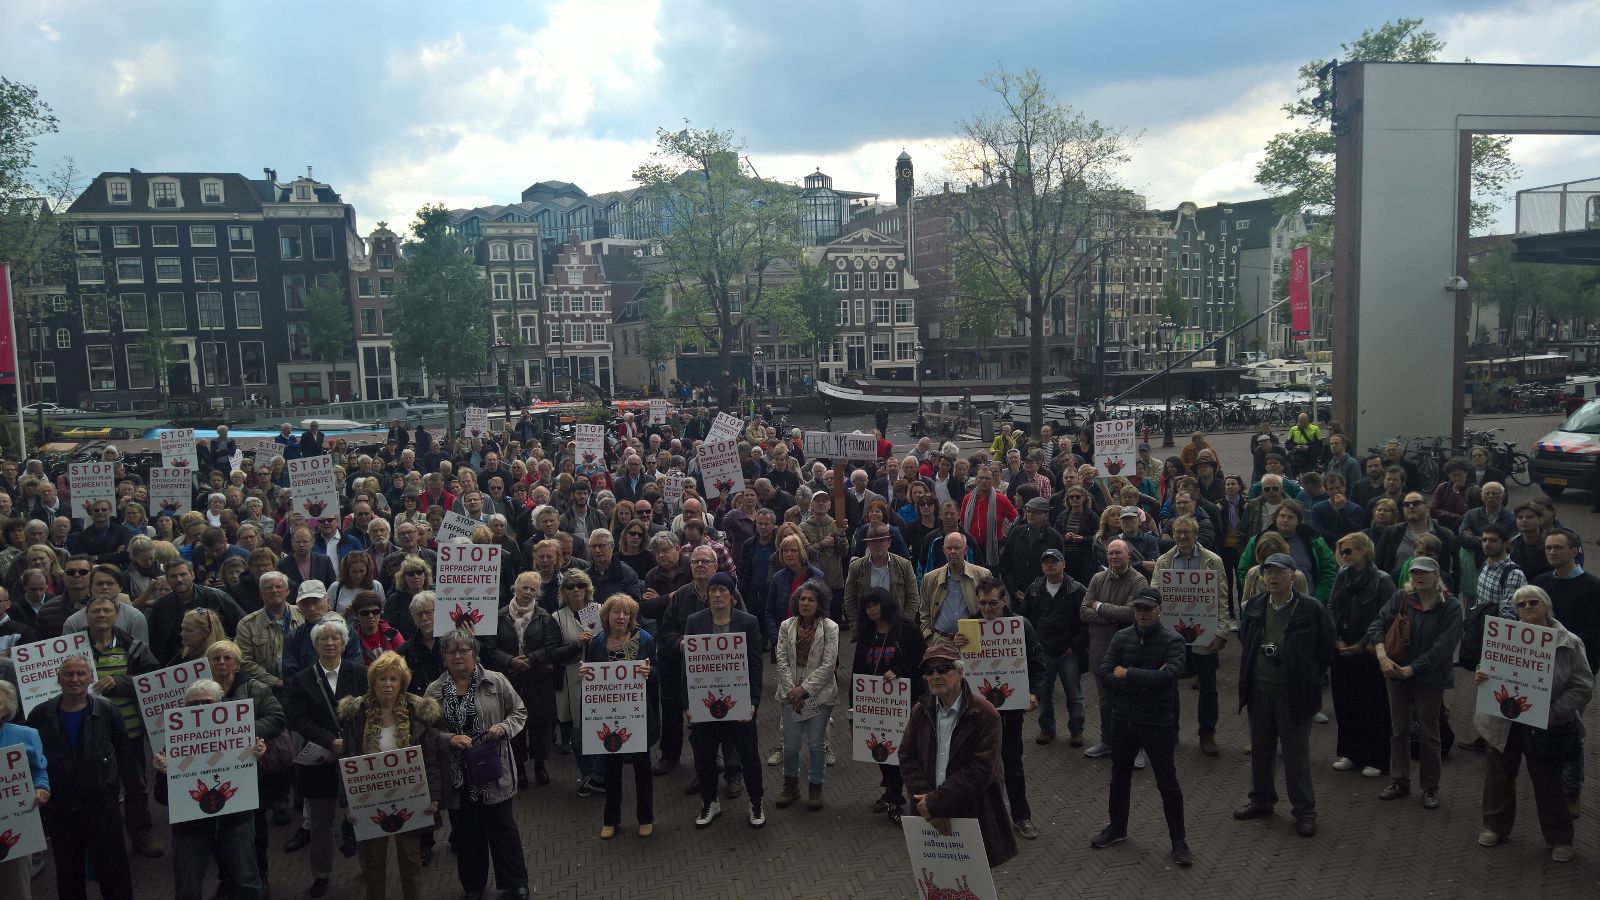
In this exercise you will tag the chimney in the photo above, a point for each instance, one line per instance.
(308, 174)
(271, 174)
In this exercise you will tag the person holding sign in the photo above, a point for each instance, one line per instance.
(530, 649)
(1509, 743)
(991, 607)
(118, 657)
(1415, 654)
(312, 695)
(888, 646)
(807, 650)
(481, 713)
(1187, 555)
(622, 640)
(387, 718)
(737, 732)
(1140, 670)
(83, 818)
(15, 871)
(230, 837)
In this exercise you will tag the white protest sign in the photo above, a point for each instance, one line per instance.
(314, 487)
(21, 829)
(160, 691)
(719, 666)
(177, 448)
(387, 792)
(211, 760)
(996, 657)
(1189, 600)
(674, 491)
(725, 426)
(37, 664)
(236, 461)
(591, 445)
(265, 449)
(589, 618)
(455, 525)
(839, 444)
(170, 490)
(1116, 446)
(719, 466)
(1520, 660)
(468, 586)
(948, 866)
(879, 713)
(615, 708)
(658, 412)
(89, 483)
(477, 422)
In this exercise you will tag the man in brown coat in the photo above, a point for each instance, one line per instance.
(969, 784)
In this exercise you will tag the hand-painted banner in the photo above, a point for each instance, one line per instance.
(1116, 446)
(90, 482)
(171, 490)
(725, 426)
(591, 445)
(477, 422)
(719, 466)
(839, 444)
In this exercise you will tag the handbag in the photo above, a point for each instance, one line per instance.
(1397, 639)
(282, 748)
(483, 763)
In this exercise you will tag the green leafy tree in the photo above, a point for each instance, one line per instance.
(1299, 163)
(1044, 200)
(720, 229)
(1539, 291)
(805, 309)
(1172, 305)
(441, 305)
(331, 336)
(658, 341)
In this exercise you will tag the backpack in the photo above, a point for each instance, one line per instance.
(1472, 635)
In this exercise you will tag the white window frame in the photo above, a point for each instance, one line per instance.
(882, 311)
(597, 304)
(883, 340)
(557, 303)
(497, 251)
(579, 332)
(115, 242)
(371, 285)
(844, 311)
(171, 264)
(128, 351)
(135, 274)
(87, 267)
(238, 318)
(207, 183)
(157, 229)
(87, 238)
(89, 368)
(156, 184)
(201, 278)
(891, 281)
(841, 281)
(597, 333)
(248, 245)
(161, 310)
(138, 302)
(528, 324)
(500, 286)
(526, 289)
(574, 274)
(905, 311)
(523, 250)
(112, 185)
(63, 339)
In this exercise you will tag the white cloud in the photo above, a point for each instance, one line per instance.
(1528, 32)
(154, 68)
(48, 31)
(431, 56)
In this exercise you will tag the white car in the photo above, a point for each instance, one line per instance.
(34, 409)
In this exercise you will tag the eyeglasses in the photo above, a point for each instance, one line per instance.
(937, 668)
(368, 612)
(572, 587)
(415, 574)
(1410, 503)
(1528, 604)
(1346, 551)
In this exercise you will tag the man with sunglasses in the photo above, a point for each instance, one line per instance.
(1285, 649)
(1259, 511)
(73, 597)
(950, 757)
(1396, 542)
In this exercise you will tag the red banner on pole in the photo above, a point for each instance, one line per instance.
(8, 368)
(1300, 291)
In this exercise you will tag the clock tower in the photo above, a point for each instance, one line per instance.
(903, 181)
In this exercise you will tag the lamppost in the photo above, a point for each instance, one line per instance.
(918, 352)
(756, 357)
(557, 337)
(503, 348)
(1168, 331)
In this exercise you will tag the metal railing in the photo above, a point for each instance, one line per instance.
(1559, 208)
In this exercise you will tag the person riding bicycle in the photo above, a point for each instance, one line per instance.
(1304, 442)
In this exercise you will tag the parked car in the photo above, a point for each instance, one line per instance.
(1569, 457)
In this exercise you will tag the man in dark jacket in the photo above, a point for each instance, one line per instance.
(991, 606)
(1394, 545)
(303, 563)
(1024, 549)
(101, 539)
(1051, 604)
(968, 786)
(82, 735)
(166, 614)
(1140, 671)
(737, 734)
(685, 602)
(609, 574)
(1285, 649)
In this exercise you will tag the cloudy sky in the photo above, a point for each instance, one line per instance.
(400, 103)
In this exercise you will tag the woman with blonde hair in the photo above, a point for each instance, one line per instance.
(621, 639)
(530, 648)
(199, 629)
(388, 718)
(1360, 699)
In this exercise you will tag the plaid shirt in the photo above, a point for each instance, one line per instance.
(1497, 582)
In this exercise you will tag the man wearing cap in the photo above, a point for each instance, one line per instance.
(311, 601)
(1105, 611)
(1285, 648)
(1025, 545)
(1051, 604)
(950, 592)
(1187, 555)
(879, 569)
(992, 605)
(1143, 546)
(1140, 671)
(950, 756)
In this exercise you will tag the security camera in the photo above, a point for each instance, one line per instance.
(1455, 284)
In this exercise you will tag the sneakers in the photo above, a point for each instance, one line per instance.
(1430, 798)
(1181, 854)
(1141, 760)
(1026, 828)
(1107, 837)
(1045, 737)
(775, 758)
(1343, 764)
(708, 814)
(1371, 772)
(1561, 854)
(1320, 718)
(758, 813)
(607, 832)
(1101, 748)
(1488, 838)
(830, 759)
(586, 787)
(896, 811)
(1395, 791)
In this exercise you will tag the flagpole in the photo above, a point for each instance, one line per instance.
(16, 366)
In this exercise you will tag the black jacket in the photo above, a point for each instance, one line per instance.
(427, 663)
(314, 715)
(685, 602)
(1356, 601)
(618, 578)
(1389, 549)
(1148, 695)
(166, 618)
(1019, 556)
(321, 569)
(1055, 619)
(548, 652)
(1307, 650)
(906, 638)
(82, 778)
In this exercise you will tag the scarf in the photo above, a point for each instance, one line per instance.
(991, 530)
(629, 650)
(461, 716)
(372, 732)
(520, 620)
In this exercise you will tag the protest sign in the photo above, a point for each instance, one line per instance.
(236, 461)
(591, 445)
(658, 412)
(1116, 446)
(725, 426)
(996, 658)
(387, 792)
(674, 491)
(37, 664)
(314, 487)
(21, 829)
(615, 717)
(1520, 660)
(589, 618)
(719, 466)
(89, 483)
(454, 526)
(211, 760)
(718, 667)
(468, 588)
(177, 448)
(948, 865)
(265, 450)
(171, 490)
(160, 691)
(878, 718)
(477, 421)
(1189, 600)
(839, 445)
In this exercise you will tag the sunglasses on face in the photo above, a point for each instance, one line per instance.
(937, 668)
(78, 572)
(1528, 604)
(1411, 503)
(368, 612)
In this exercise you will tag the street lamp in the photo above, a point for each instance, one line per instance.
(918, 351)
(756, 357)
(1168, 330)
(503, 348)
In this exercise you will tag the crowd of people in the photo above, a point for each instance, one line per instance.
(1333, 576)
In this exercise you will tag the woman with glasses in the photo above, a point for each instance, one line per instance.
(807, 652)
(480, 707)
(377, 637)
(924, 522)
(1360, 697)
(577, 596)
(1509, 744)
(412, 578)
(1417, 674)
(633, 546)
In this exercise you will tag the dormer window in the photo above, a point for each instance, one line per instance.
(211, 191)
(119, 191)
(164, 194)
(302, 193)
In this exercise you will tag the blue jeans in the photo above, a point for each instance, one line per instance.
(231, 838)
(1069, 668)
(1204, 666)
(813, 732)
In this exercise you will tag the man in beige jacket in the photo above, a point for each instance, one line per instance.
(956, 580)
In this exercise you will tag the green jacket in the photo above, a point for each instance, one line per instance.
(1326, 567)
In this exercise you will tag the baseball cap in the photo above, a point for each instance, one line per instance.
(311, 587)
(1052, 553)
(1146, 597)
(1281, 561)
(1129, 511)
(1424, 564)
